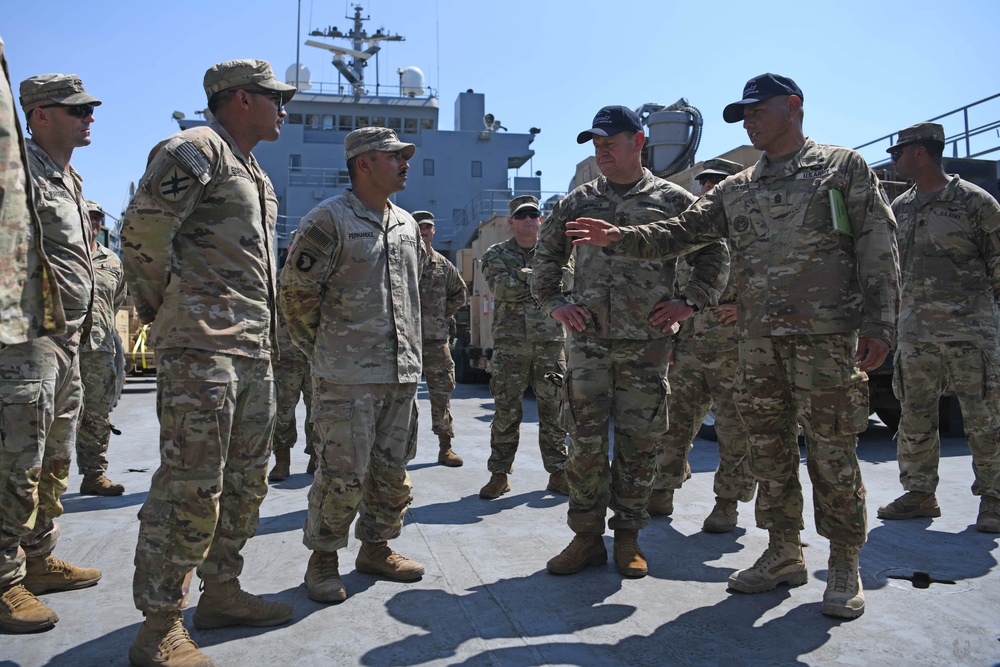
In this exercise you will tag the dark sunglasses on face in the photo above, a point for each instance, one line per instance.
(274, 95)
(524, 215)
(896, 154)
(78, 110)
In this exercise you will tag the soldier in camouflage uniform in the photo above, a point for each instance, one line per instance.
(42, 392)
(620, 316)
(99, 366)
(350, 295)
(442, 293)
(527, 346)
(949, 245)
(198, 241)
(702, 372)
(818, 289)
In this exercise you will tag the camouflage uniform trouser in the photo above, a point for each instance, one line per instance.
(439, 369)
(807, 380)
(516, 366)
(365, 436)
(626, 380)
(924, 371)
(216, 416)
(703, 372)
(97, 370)
(40, 395)
(291, 378)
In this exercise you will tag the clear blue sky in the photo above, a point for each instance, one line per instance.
(867, 68)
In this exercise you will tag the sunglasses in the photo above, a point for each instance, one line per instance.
(78, 110)
(274, 95)
(524, 215)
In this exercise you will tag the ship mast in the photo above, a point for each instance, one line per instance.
(354, 70)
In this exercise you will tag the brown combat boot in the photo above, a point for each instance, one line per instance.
(377, 558)
(96, 484)
(48, 573)
(20, 611)
(844, 597)
(629, 558)
(311, 466)
(661, 502)
(558, 483)
(781, 563)
(496, 487)
(447, 456)
(225, 603)
(163, 641)
(989, 515)
(583, 551)
(911, 505)
(722, 518)
(282, 464)
(323, 581)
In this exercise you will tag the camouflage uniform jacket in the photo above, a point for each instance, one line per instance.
(949, 251)
(793, 272)
(198, 243)
(65, 222)
(30, 305)
(109, 295)
(442, 293)
(618, 290)
(350, 292)
(705, 318)
(517, 317)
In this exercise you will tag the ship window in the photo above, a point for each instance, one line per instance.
(346, 123)
(378, 121)
(395, 124)
(477, 169)
(428, 167)
(327, 122)
(426, 124)
(312, 120)
(295, 118)
(410, 125)
(361, 121)
(294, 162)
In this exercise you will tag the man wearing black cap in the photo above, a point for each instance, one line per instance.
(949, 325)
(703, 373)
(619, 315)
(198, 243)
(817, 274)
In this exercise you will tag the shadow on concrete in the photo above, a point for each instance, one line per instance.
(75, 502)
(282, 523)
(673, 556)
(294, 481)
(472, 509)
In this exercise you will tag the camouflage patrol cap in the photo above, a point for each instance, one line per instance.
(238, 73)
(719, 167)
(921, 132)
(761, 87)
(424, 218)
(380, 139)
(94, 207)
(523, 202)
(65, 89)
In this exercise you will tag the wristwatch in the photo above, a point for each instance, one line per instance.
(691, 304)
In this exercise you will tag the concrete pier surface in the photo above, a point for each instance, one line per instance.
(932, 586)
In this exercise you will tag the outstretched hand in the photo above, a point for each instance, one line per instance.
(592, 232)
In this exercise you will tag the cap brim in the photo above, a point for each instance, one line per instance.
(733, 113)
(711, 172)
(287, 92)
(523, 207)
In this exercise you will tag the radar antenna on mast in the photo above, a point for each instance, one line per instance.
(364, 47)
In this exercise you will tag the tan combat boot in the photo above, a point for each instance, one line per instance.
(629, 558)
(911, 505)
(48, 573)
(20, 611)
(781, 563)
(661, 502)
(163, 641)
(97, 484)
(722, 519)
(282, 464)
(496, 487)
(447, 456)
(377, 558)
(558, 483)
(583, 551)
(844, 597)
(989, 515)
(225, 603)
(323, 581)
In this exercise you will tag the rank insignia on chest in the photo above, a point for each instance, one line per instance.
(174, 185)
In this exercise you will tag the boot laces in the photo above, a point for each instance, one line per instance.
(327, 567)
(18, 596)
(991, 505)
(773, 555)
(839, 569)
(176, 636)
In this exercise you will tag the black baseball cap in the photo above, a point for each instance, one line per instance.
(761, 87)
(611, 120)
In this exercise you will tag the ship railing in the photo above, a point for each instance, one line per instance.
(376, 90)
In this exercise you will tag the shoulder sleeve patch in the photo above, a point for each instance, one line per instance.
(318, 237)
(192, 159)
